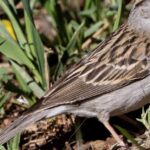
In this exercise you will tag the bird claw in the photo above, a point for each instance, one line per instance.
(119, 146)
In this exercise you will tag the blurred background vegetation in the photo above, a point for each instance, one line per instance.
(40, 39)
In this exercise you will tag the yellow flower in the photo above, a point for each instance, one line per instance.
(9, 27)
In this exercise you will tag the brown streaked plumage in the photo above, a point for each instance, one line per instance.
(100, 84)
(109, 67)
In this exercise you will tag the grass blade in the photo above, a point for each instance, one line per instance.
(35, 88)
(116, 25)
(36, 43)
(16, 26)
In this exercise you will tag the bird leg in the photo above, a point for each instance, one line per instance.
(113, 132)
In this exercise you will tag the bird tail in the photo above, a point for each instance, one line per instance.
(30, 117)
(19, 125)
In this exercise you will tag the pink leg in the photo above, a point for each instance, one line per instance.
(113, 132)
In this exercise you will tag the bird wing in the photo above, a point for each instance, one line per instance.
(116, 62)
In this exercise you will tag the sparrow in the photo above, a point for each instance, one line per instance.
(110, 80)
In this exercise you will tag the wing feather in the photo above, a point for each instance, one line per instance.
(116, 62)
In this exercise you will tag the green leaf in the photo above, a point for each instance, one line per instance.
(92, 29)
(12, 3)
(129, 137)
(13, 144)
(32, 3)
(87, 4)
(35, 41)
(88, 12)
(4, 76)
(145, 118)
(74, 38)
(4, 98)
(2, 147)
(35, 88)
(11, 50)
(60, 22)
(23, 85)
(116, 25)
(16, 26)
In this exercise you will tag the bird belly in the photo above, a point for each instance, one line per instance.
(118, 102)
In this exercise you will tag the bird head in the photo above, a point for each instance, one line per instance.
(139, 17)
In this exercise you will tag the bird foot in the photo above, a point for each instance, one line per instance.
(120, 146)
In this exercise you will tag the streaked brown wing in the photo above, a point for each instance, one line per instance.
(116, 62)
